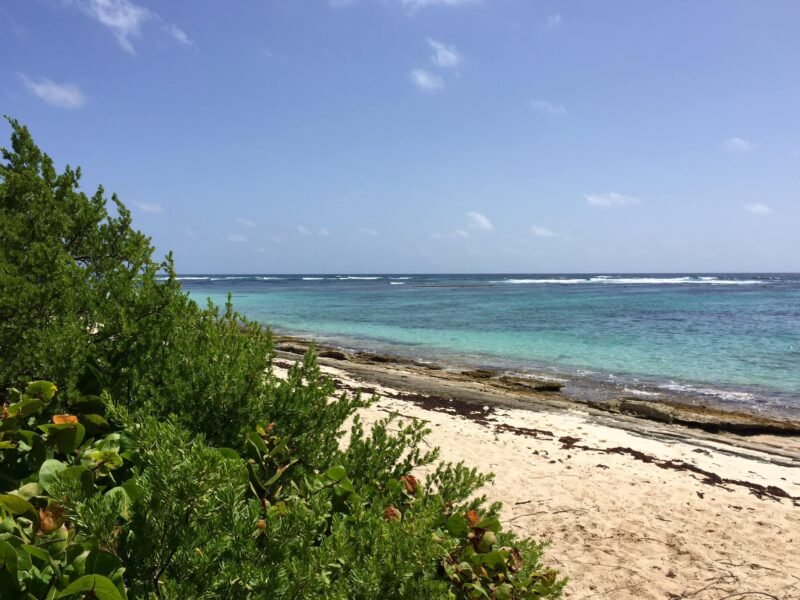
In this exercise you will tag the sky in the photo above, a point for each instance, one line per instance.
(409, 136)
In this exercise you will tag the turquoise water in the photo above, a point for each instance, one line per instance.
(726, 339)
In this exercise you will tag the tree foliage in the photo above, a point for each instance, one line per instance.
(173, 463)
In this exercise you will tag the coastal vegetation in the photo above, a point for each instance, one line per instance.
(149, 450)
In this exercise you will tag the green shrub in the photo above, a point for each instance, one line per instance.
(175, 464)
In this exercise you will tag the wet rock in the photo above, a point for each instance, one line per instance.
(479, 373)
(334, 354)
(648, 410)
(529, 384)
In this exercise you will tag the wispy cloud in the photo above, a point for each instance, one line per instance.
(149, 207)
(368, 231)
(738, 145)
(62, 95)
(126, 19)
(426, 81)
(542, 231)
(179, 35)
(462, 233)
(479, 222)
(757, 208)
(444, 55)
(304, 230)
(552, 22)
(245, 222)
(236, 238)
(548, 108)
(323, 232)
(610, 199)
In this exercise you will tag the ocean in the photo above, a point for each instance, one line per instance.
(732, 341)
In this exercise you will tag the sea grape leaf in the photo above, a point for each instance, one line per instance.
(66, 437)
(457, 526)
(41, 389)
(491, 523)
(100, 587)
(16, 505)
(49, 472)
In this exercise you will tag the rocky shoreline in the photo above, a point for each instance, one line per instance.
(499, 388)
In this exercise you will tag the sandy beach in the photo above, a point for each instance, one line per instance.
(635, 501)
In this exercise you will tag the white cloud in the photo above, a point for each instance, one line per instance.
(737, 144)
(552, 22)
(610, 199)
(461, 233)
(444, 55)
(542, 231)
(426, 81)
(545, 107)
(149, 207)
(304, 230)
(63, 95)
(245, 222)
(179, 35)
(236, 238)
(368, 231)
(757, 208)
(126, 19)
(479, 222)
(323, 232)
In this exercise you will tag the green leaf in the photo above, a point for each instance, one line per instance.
(229, 453)
(41, 389)
(504, 591)
(494, 560)
(118, 498)
(133, 488)
(258, 444)
(16, 505)
(336, 473)
(102, 563)
(65, 436)
(107, 460)
(36, 552)
(8, 558)
(49, 472)
(29, 490)
(101, 587)
(492, 523)
(6, 445)
(457, 526)
(94, 423)
(26, 407)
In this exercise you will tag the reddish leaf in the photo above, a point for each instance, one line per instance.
(61, 419)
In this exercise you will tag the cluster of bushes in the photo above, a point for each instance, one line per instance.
(170, 462)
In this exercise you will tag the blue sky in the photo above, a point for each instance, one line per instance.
(426, 135)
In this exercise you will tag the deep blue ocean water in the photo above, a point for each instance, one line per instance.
(723, 339)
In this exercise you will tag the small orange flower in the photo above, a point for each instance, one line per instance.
(50, 518)
(61, 419)
(392, 513)
(410, 482)
(262, 524)
(473, 518)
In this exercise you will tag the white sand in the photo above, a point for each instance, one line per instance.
(623, 528)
